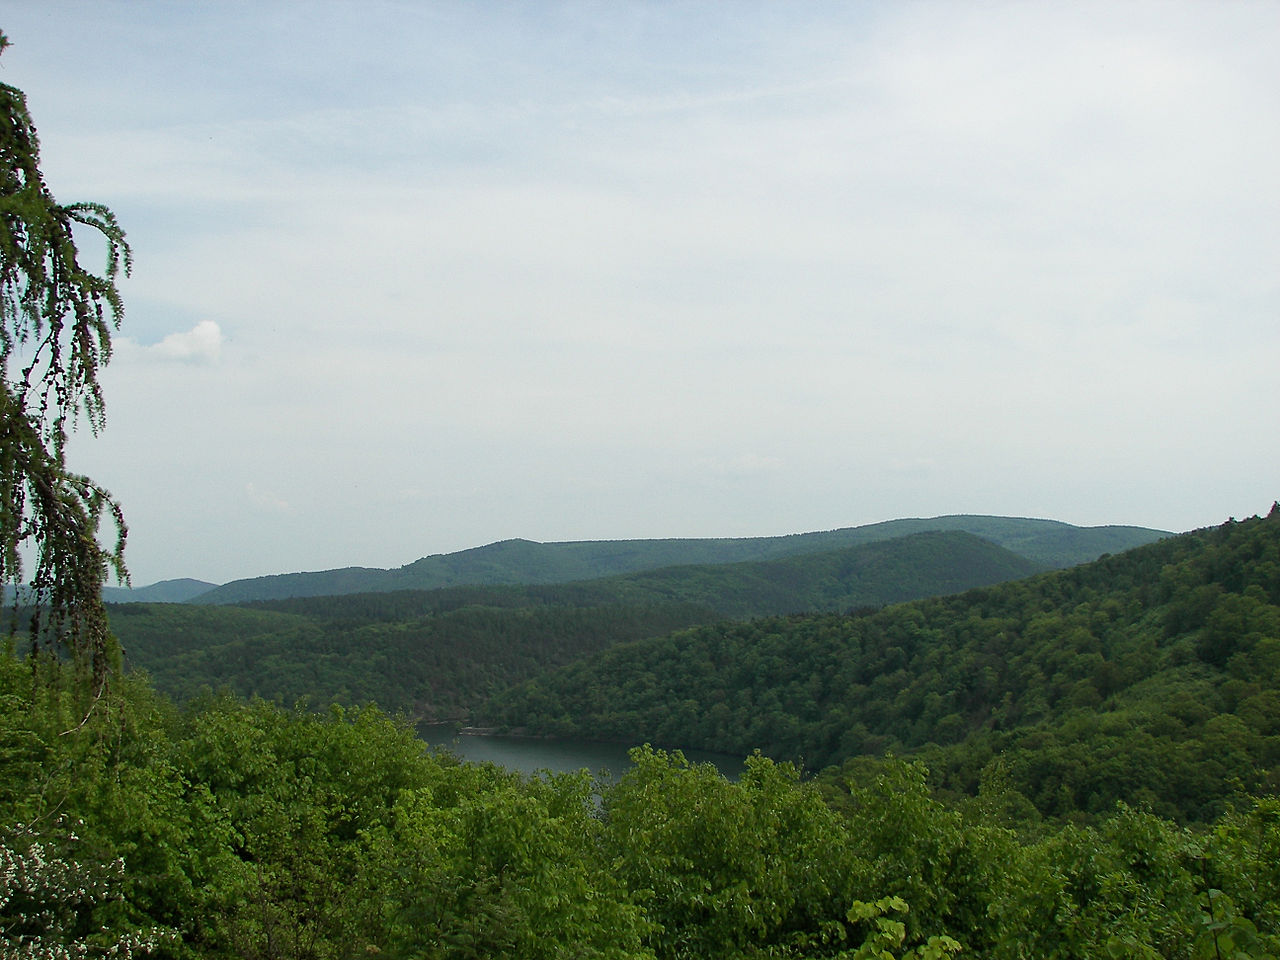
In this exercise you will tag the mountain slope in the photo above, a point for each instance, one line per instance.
(166, 591)
(1151, 676)
(1046, 542)
(869, 574)
(441, 653)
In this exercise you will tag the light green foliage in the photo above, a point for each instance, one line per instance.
(757, 867)
(255, 832)
(1124, 887)
(1222, 933)
(886, 934)
(912, 847)
(347, 838)
(249, 831)
(1242, 855)
(483, 863)
(690, 844)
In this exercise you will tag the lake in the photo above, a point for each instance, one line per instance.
(530, 754)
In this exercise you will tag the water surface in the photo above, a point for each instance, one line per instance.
(531, 754)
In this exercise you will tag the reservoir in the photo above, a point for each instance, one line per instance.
(531, 754)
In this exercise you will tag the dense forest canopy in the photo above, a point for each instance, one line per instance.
(440, 654)
(239, 829)
(1094, 753)
(1151, 676)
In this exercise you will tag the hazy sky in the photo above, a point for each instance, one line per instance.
(413, 277)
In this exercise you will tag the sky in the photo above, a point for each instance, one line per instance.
(412, 277)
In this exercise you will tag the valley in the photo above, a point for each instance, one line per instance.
(921, 741)
(440, 654)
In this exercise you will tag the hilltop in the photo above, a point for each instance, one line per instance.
(1049, 543)
(166, 591)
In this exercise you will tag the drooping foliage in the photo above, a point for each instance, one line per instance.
(56, 320)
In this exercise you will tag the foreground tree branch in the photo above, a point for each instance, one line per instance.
(56, 320)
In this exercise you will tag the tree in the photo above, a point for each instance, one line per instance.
(56, 320)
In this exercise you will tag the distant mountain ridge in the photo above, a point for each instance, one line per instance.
(867, 574)
(1050, 543)
(166, 591)
(441, 653)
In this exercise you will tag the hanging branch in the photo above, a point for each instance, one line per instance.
(56, 321)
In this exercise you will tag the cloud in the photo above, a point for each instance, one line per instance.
(201, 344)
(663, 270)
(265, 499)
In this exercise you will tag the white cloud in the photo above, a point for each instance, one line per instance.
(201, 345)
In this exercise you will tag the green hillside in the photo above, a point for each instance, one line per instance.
(242, 830)
(442, 653)
(437, 666)
(1047, 542)
(239, 829)
(871, 574)
(166, 591)
(1150, 676)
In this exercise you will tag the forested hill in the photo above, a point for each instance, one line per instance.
(1049, 543)
(870, 574)
(1151, 676)
(441, 653)
(166, 591)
